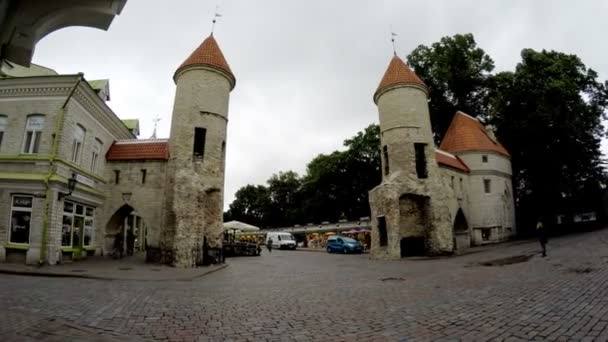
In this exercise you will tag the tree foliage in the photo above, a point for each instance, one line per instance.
(456, 72)
(548, 114)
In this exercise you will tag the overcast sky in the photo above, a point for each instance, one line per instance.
(305, 70)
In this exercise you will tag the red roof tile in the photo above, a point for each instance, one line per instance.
(468, 134)
(208, 54)
(152, 149)
(449, 160)
(398, 73)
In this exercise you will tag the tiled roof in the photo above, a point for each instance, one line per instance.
(149, 149)
(450, 160)
(208, 54)
(468, 134)
(398, 73)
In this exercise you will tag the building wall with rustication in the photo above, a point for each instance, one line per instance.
(194, 203)
(447, 211)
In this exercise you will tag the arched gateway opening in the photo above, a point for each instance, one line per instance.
(125, 232)
(462, 238)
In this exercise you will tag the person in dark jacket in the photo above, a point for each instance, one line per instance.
(541, 231)
(269, 245)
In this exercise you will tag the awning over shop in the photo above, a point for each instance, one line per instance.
(240, 226)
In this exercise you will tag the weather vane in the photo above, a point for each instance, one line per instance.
(155, 120)
(393, 35)
(216, 15)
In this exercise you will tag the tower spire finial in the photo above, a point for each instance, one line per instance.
(216, 15)
(156, 120)
(393, 35)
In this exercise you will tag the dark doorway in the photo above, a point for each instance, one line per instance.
(412, 246)
(125, 232)
(462, 238)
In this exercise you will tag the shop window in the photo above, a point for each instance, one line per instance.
(382, 231)
(487, 186)
(385, 156)
(3, 125)
(143, 176)
(421, 170)
(33, 128)
(484, 158)
(77, 225)
(77, 143)
(200, 135)
(21, 219)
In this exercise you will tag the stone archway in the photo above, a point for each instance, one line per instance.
(125, 231)
(462, 239)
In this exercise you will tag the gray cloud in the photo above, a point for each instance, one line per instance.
(306, 70)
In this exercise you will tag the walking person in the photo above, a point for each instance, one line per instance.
(541, 231)
(269, 245)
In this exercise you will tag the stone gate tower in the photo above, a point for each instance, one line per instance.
(408, 211)
(195, 185)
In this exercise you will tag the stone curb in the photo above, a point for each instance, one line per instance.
(211, 269)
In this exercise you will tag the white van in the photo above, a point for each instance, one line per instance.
(281, 240)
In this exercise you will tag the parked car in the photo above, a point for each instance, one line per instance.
(343, 244)
(281, 240)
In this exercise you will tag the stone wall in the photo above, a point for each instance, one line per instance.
(147, 199)
(493, 219)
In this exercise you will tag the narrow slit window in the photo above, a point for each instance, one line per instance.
(200, 135)
(484, 158)
(421, 170)
(116, 176)
(143, 176)
(385, 156)
(487, 186)
(382, 231)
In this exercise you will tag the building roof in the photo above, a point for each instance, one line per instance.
(447, 159)
(208, 54)
(398, 73)
(145, 149)
(467, 134)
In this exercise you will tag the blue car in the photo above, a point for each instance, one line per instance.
(343, 244)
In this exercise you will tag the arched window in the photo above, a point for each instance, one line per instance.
(95, 154)
(3, 125)
(33, 132)
(77, 143)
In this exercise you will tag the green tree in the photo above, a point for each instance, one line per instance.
(548, 115)
(284, 190)
(251, 205)
(456, 72)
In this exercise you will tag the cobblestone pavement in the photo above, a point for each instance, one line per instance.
(305, 296)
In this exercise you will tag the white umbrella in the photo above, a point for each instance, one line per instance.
(240, 226)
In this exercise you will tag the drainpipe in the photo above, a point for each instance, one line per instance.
(52, 168)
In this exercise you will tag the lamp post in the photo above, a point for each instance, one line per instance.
(71, 186)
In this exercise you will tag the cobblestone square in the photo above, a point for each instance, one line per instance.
(315, 296)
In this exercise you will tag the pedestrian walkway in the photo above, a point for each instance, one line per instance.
(128, 268)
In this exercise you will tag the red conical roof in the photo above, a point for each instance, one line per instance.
(398, 73)
(208, 54)
(467, 134)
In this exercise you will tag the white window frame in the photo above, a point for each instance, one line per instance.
(84, 217)
(3, 126)
(36, 134)
(78, 143)
(10, 218)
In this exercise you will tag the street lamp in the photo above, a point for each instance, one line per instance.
(71, 185)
